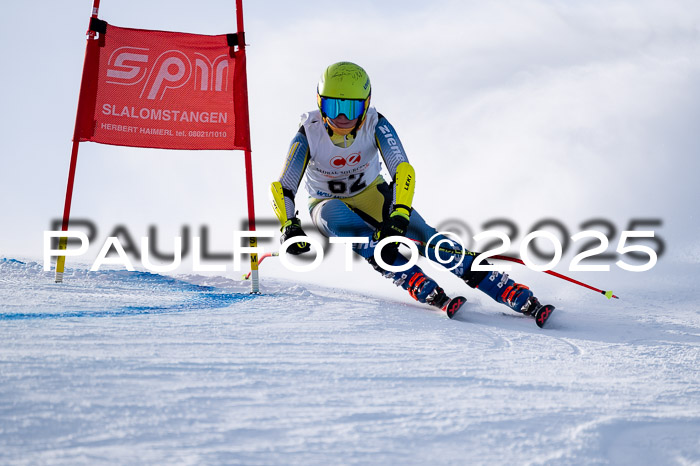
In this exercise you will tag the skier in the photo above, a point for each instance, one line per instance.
(337, 147)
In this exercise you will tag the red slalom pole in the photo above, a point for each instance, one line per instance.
(253, 241)
(63, 241)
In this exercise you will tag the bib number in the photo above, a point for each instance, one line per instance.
(341, 187)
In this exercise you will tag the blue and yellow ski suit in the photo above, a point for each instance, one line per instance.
(348, 196)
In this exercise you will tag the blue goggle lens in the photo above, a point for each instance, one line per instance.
(350, 108)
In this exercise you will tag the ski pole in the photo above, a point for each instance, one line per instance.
(607, 294)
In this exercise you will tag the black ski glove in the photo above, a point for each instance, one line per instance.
(395, 225)
(290, 230)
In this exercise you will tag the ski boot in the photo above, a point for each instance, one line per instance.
(516, 296)
(439, 299)
(540, 312)
(422, 288)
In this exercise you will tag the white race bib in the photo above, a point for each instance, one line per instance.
(340, 171)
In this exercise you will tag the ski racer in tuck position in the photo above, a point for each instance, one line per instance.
(337, 147)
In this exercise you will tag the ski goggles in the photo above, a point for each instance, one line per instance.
(351, 108)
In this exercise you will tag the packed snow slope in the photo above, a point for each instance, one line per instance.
(132, 368)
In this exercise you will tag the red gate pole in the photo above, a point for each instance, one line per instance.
(63, 241)
(255, 288)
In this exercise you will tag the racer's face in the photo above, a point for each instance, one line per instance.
(342, 122)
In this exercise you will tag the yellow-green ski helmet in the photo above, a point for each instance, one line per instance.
(344, 87)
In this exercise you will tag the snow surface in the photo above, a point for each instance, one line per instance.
(597, 102)
(132, 367)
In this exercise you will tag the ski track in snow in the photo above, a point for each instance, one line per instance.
(131, 367)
